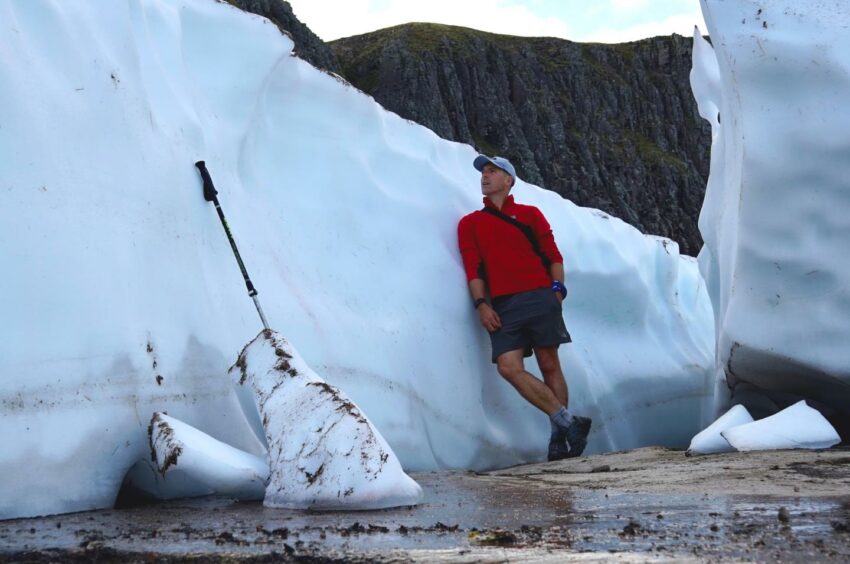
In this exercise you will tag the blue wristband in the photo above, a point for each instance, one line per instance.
(559, 287)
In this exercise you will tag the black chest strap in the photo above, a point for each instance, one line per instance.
(526, 230)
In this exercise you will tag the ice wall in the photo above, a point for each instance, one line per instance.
(776, 218)
(120, 296)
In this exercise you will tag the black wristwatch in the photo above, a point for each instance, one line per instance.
(480, 301)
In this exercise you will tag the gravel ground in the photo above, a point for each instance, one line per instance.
(645, 505)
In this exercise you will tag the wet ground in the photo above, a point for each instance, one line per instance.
(645, 505)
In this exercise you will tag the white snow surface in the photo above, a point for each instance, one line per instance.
(776, 216)
(120, 295)
(711, 441)
(184, 453)
(797, 426)
(324, 452)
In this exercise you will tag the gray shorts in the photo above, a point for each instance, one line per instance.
(529, 319)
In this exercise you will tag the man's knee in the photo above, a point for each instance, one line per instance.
(509, 367)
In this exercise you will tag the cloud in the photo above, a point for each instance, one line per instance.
(628, 5)
(683, 24)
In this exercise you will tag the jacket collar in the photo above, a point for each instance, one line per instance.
(506, 205)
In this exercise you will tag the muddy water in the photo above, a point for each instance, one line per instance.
(465, 517)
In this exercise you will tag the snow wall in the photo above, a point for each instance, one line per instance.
(776, 217)
(120, 295)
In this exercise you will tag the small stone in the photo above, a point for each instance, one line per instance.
(784, 516)
(840, 527)
(493, 537)
(631, 528)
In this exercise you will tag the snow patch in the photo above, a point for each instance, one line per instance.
(220, 467)
(710, 440)
(776, 215)
(324, 452)
(797, 426)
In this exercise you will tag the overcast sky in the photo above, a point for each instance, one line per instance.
(610, 21)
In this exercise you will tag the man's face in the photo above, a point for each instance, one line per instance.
(494, 180)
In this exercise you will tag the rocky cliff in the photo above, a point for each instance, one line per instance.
(608, 126)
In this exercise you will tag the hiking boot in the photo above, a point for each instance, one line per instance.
(583, 424)
(576, 435)
(559, 448)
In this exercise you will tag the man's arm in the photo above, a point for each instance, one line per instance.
(477, 286)
(488, 316)
(556, 271)
(546, 239)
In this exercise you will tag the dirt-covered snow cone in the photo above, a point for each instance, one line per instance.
(324, 452)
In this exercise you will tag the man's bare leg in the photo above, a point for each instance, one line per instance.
(540, 395)
(553, 376)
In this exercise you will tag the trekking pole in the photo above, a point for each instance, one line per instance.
(210, 196)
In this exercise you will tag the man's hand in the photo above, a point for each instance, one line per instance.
(489, 318)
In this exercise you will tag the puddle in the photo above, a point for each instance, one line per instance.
(465, 516)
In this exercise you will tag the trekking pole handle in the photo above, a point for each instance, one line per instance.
(209, 189)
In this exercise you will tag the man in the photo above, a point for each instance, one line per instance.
(509, 252)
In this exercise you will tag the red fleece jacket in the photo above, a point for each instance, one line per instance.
(492, 245)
